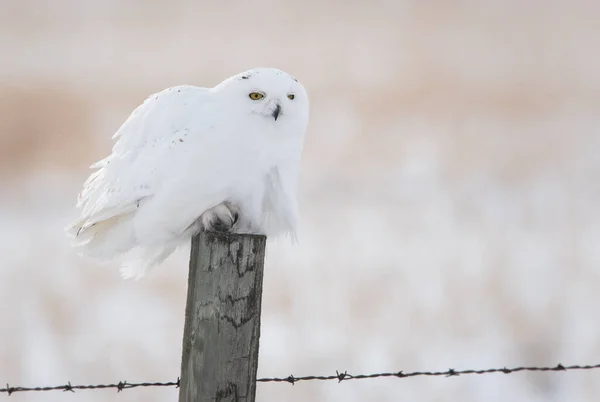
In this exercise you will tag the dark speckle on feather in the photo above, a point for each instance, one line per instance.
(245, 77)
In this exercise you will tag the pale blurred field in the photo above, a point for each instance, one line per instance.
(450, 193)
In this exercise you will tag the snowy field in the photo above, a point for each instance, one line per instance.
(450, 194)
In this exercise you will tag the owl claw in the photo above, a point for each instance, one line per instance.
(221, 226)
(221, 218)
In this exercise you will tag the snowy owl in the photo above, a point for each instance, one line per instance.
(189, 159)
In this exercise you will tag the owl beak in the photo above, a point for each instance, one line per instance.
(276, 112)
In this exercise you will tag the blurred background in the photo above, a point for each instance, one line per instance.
(449, 194)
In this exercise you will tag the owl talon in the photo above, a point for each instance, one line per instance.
(221, 218)
(221, 226)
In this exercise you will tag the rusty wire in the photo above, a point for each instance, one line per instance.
(339, 376)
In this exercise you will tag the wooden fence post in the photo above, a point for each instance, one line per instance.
(222, 318)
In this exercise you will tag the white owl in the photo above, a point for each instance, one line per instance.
(188, 159)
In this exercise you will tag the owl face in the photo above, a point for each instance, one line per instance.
(270, 94)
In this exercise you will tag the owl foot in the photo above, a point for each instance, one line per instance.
(221, 218)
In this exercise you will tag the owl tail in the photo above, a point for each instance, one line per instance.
(103, 239)
(113, 240)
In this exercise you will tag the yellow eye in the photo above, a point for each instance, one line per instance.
(256, 95)
(291, 96)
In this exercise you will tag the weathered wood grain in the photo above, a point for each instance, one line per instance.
(222, 318)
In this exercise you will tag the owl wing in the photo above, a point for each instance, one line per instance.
(147, 145)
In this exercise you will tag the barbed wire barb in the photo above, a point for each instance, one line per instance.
(291, 379)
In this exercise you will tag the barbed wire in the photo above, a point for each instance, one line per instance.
(120, 386)
(339, 376)
(448, 373)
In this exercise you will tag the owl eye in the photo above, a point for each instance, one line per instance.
(256, 95)
(291, 96)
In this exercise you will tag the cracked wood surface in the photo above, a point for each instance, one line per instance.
(222, 318)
